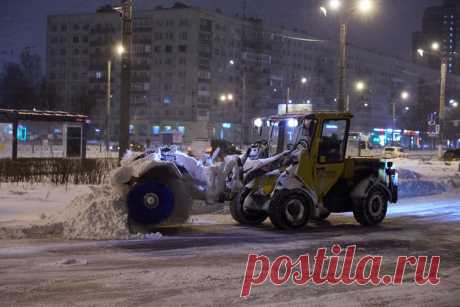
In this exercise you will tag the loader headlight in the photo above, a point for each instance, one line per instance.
(292, 123)
(258, 123)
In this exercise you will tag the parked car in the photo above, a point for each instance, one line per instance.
(452, 155)
(394, 153)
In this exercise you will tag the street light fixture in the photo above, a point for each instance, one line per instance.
(435, 46)
(365, 6)
(335, 4)
(360, 86)
(303, 81)
(405, 95)
(120, 49)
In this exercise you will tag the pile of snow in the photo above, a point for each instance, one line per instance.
(98, 215)
(424, 178)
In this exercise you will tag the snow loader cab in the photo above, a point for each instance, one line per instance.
(312, 177)
(277, 133)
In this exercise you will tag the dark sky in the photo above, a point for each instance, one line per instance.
(23, 22)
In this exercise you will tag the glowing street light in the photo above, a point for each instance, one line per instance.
(303, 80)
(435, 46)
(360, 86)
(407, 108)
(365, 6)
(405, 95)
(231, 62)
(226, 97)
(335, 4)
(362, 7)
(119, 49)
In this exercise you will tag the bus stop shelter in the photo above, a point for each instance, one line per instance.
(34, 133)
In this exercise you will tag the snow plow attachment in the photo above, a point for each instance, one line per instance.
(159, 197)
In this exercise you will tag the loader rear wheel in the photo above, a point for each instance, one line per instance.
(372, 210)
(158, 199)
(290, 210)
(241, 214)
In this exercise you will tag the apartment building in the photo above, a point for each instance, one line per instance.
(199, 73)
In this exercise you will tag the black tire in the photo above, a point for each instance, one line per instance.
(173, 205)
(322, 217)
(242, 216)
(372, 210)
(285, 204)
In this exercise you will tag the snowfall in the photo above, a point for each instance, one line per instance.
(70, 245)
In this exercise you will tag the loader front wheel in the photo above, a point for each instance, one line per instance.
(244, 215)
(290, 210)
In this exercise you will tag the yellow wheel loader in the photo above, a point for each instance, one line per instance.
(307, 176)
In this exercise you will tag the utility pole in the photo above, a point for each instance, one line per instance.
(442, 104)
(126, 28)
(342, 103)
(288, 98)
(108, 107)
(245, 107)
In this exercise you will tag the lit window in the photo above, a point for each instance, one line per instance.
(181, 129)
(167, 100)
(156, 130)
(98, 75)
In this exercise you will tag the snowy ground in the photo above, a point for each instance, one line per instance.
(202, 263)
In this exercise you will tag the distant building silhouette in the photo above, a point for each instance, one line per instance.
(439, 24)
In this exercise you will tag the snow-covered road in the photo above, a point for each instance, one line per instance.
(202, 264)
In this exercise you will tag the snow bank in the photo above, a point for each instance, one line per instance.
(424, 178)
(98, 214)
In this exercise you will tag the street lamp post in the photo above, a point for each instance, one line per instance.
(342, 103)
(442, 104)
(127, 24)
(288, 98)
(404, 96)
(108, 107)
(119, 50)
(363, 7)
(436, 47)
(244, 118)
(303, 81)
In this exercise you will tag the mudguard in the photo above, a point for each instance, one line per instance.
(363, 188)
(289, 182)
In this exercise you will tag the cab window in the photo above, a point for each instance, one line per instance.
(332, 143)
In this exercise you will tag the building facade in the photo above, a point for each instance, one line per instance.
(198, 73)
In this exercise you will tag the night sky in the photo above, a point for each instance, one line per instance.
(23, 22)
